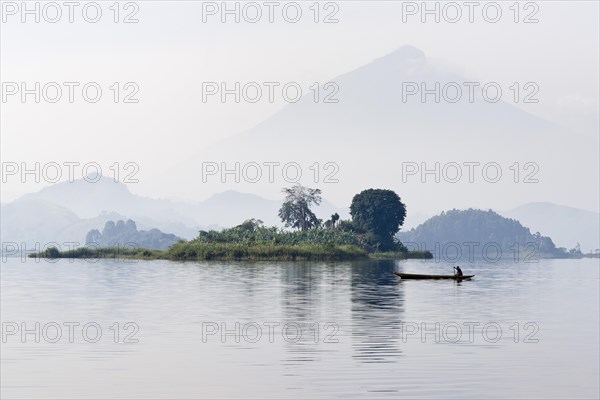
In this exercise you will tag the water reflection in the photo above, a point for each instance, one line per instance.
(377, 310)
(301, 327)
(300, 291)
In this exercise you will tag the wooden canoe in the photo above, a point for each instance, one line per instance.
(422, 276)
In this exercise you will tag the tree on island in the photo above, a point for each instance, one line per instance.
(380, 213)
(251, 225)
(295, 211)
(330, 223)
(334, 218)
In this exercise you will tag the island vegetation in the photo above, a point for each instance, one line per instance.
(377, 216)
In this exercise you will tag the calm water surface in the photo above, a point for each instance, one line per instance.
(341, 330)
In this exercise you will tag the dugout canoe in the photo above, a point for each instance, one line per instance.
(424, 276)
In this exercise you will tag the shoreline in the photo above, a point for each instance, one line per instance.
(234, 252)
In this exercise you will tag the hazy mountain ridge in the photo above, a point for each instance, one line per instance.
(67, 211)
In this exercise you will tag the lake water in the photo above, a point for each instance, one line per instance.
(298, 330)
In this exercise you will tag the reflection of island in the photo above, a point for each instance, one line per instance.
(300, 291)
(300, 306)
(377, 310)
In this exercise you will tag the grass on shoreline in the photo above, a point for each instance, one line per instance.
(102, 252)
(194, 251)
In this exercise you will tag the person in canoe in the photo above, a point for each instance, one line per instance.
(458, 271)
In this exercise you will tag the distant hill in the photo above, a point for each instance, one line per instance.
(470, 231)
(125, 234)
(566, 225)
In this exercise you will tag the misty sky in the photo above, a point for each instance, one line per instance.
(170, 52)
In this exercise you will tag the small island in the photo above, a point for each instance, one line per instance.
(376, 218)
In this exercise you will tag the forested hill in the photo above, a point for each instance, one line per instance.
(477, 226)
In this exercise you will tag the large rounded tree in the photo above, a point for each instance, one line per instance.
(379, 212)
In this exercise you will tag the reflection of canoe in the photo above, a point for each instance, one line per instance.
(420, 276)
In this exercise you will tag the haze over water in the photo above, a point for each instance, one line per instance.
(369, 341)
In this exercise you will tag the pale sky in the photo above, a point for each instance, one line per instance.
(171, 51)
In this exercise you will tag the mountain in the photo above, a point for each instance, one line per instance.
(125, 234)
(373, 129)
(566, 225)
(483, 234)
